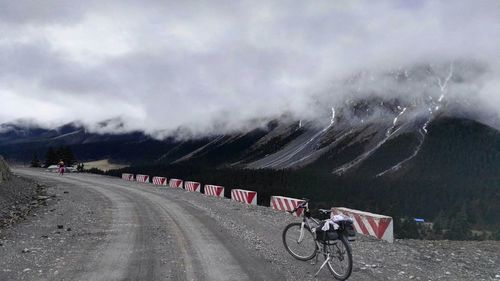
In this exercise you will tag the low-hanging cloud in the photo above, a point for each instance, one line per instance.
(223, 66)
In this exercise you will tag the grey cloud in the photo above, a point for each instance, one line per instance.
(36, 12)
(231, 65)
(37, 62)
(27, 60)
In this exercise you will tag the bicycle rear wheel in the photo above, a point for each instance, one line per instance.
(340, 264)
(302, 247)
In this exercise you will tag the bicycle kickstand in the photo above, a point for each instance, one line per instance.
(323, 265)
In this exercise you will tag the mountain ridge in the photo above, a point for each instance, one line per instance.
(439, 169)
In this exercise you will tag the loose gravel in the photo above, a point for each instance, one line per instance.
(55, 233)
(18, 198)
(258, 229)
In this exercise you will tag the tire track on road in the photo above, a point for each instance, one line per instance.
(211, 254)
(127, 251)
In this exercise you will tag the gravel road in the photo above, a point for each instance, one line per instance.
(103, 228)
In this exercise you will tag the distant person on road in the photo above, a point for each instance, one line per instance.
(61, 168)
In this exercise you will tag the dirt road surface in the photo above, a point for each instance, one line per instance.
(103, 228)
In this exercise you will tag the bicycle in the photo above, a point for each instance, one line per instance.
(306, 240)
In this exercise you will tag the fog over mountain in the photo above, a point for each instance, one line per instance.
(191, 68)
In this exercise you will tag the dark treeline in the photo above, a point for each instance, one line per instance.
(453, 181)
(53, 156)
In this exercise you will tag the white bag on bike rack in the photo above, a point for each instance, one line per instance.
(329, 223)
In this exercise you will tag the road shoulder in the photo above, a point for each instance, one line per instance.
(56, 234)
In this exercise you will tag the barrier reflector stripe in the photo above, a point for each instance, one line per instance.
(375, 225)
(245, 196)
(285, 204)
(384, 224)
(175, 183)
(192, 186)
(142, 178)
(214, 190)
(361, 225)
(128, 177)
(160, 181)
(273, 204)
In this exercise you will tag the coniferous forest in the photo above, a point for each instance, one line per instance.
(454, 182)
(469, 206)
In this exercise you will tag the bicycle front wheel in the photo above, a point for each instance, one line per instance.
(299, 243)
(340, 264)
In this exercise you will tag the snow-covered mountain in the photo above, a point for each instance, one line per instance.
(387, 132)
(385, 118)
(432, 154)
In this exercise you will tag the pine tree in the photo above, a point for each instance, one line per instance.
(70, 157)
(51, 157)
(65, 154)
(407, 228)
(35, 162)
(459, 228)
(496, 235)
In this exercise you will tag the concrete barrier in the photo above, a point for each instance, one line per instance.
(160, 181)
(375, 225)
(192, 186)
(142, 178)
(128, 177)
(175, 183)
(214, 190)
(245, 196)
(285, 204)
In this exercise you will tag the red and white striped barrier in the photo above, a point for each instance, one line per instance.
(128, 177)
(214, 190)
(175, 183)
(285, 204)
(142, 178)
(160, 181)
(192, 186)
(375, 225)
(245, 196)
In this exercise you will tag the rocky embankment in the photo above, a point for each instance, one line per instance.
(18, 196)
(4, 170)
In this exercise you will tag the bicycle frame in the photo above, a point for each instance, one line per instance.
(306, 219)
(309, 221)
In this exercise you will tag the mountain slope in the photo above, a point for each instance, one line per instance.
(373, 149)
(438, 169)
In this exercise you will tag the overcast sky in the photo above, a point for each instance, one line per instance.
(221, 65)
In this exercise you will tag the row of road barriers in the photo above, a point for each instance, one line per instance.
(209, 189)
(378, 226)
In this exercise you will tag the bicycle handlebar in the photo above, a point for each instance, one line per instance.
(301, 206)
(325, 211)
